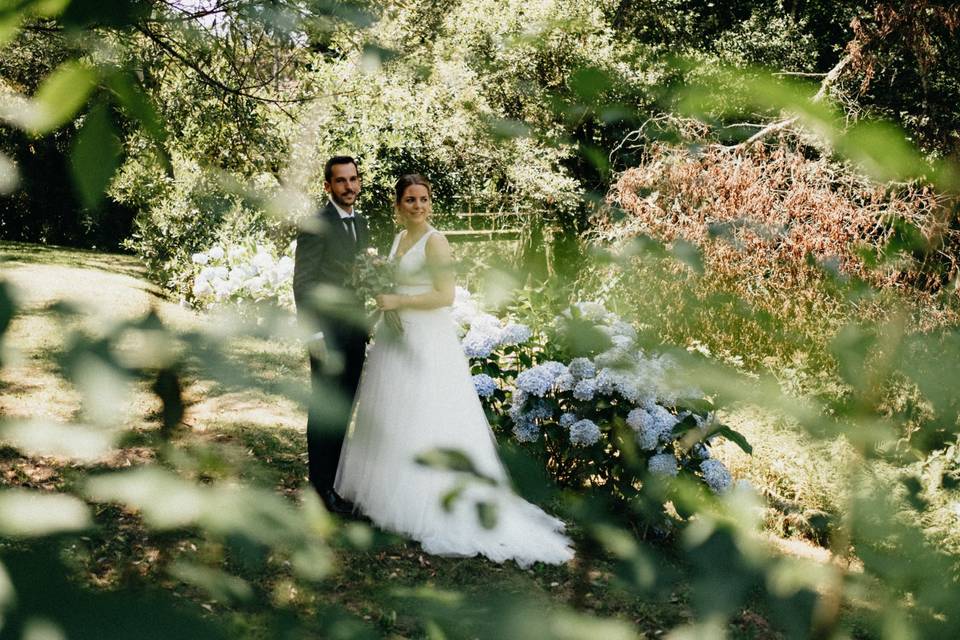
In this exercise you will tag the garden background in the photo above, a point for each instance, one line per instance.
(745, 212)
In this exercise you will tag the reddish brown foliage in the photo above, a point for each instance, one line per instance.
(760, 211)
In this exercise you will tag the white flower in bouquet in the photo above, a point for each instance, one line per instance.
(200, 258)
(716, 475)
(585, 389)
(663, 464)
(216, 252)
(582, 368)
(584, 433)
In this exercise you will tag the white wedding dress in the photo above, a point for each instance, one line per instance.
(416, 394)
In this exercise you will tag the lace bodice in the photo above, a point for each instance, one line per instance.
(412, 273)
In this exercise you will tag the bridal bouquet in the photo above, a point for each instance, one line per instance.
(373, 275)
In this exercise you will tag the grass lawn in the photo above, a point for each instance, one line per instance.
(380, 584)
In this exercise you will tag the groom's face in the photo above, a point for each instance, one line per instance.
(344, 184)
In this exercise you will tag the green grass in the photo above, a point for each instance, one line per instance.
(381, 583)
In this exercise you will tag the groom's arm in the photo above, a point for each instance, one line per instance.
(307, 270)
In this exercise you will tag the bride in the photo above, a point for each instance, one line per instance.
(416, 395)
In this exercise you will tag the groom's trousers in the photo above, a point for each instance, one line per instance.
(333, 393)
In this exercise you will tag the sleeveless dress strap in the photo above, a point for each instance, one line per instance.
(396, 243)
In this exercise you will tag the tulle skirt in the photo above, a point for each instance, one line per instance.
(416, 395)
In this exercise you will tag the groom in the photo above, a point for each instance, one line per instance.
(327, 246)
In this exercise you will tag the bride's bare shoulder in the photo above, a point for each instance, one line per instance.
(437, 245)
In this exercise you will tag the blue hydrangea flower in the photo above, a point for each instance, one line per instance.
(568, 419)
(664, 420)
(663, 464)
(585, 390)
(582, 368)
(716, 476)
(485, 385)
(515, 333)
(535, 380)
(700, 451)
(540, 410)
(584, 433)
(607, 381)
(646, 428)
(517, 401)
(555, 368)
(479, 344)
(526, 431)
(565, 382)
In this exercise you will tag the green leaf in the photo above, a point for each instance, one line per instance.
(451, 460)
(116, 13)
(221, 586)
(689, 254)
(25, 514)
(735, 437)
(39, 438)
(95, 156)
(61, 95)
(137, 104)
(487, 514)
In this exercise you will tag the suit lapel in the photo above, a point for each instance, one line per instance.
(332, 217)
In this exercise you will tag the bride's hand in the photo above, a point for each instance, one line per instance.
(388, 301)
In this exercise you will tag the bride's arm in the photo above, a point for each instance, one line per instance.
(440, 263)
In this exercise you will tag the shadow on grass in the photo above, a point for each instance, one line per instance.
(13, 253)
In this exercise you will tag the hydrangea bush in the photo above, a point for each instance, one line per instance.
(602, 413)
(241, 274)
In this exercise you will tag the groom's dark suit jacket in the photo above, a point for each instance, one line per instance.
(325, 256)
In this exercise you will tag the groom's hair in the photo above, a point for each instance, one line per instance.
(328, 168)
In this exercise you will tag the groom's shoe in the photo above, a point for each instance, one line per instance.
(335, 504)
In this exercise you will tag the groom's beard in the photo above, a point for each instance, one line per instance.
(343, 205)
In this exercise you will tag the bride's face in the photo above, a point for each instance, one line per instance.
(414, 205)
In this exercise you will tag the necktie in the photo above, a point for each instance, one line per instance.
(349, 225)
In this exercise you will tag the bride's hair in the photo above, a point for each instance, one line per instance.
(408, 181)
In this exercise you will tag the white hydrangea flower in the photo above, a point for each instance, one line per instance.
(216, 252)
(236, 252)
(663, 464)
(716, 475)
(200, 258)
(202, 288)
